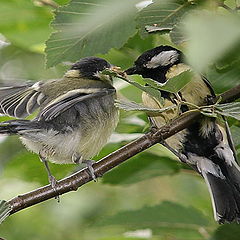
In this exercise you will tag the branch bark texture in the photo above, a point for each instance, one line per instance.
(76, 180)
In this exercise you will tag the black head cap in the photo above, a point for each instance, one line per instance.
(90, 66)
(155, 62)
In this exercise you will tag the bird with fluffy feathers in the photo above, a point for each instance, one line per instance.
(206, 144)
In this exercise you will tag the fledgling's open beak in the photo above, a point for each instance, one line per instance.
(131, 71)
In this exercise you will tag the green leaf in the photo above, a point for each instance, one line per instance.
(229, 59)
(141, 167)
(208, 114)
(174, 84)
(235, 134)
(166, 217)
(176, 34)
(229, 110)
(207, 33)
(25, 24)
(152, 90)
(227, 232)
(162, 15)
(27, 166)
(5, 210)
(88, 27)
(132, 106)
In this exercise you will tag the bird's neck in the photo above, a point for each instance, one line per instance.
(157, 74)
(176, 70)
(162, 74)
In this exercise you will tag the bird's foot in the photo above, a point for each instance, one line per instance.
(210, 100)
(153, 129)
(76, 158)
(89, 164)
(53, 182)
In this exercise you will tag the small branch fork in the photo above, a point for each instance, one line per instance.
(76, 180)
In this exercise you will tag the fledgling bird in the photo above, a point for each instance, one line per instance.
(76, 114)
(206, 144)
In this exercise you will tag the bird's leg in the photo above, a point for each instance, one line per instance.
(76, 158)
(181, 156)
(52, 180)
(153, 127)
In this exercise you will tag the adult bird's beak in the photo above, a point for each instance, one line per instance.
(131, 71)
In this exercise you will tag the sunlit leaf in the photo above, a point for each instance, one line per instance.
(174, 84)
(207, 33)
(152, 90)
(87, 27)
(25, 24)
(162, 15)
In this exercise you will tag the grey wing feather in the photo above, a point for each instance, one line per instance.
(66, 101)
(20, 101)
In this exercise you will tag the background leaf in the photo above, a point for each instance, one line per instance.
(155, 176)
(204, 29)
(141, 167)
(176, 34)
(162, 14)
(229, 232)
(87, 27)
(28, 26)
(185, 221)
(174, 84)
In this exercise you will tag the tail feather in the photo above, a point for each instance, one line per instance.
(223, 181)
(225, 198)
(17, 126)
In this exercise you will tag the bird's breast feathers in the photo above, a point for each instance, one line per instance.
(196, 90)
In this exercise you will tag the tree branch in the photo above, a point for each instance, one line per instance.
(76, 180)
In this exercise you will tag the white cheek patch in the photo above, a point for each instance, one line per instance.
(163, 59)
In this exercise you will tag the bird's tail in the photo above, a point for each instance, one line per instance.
(16, 127)
(223, 180)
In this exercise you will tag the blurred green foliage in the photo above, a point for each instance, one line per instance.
(151, 196)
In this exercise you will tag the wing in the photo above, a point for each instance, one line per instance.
(66, 101)
(20, 101)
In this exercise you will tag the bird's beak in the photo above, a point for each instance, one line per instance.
(131, 71)
(114, 68)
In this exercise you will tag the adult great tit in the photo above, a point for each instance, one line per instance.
(205, 145)
(76, 114)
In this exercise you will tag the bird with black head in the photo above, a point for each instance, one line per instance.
(76, 114)
(206, 144)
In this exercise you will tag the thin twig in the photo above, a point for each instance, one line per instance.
(76, 180)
